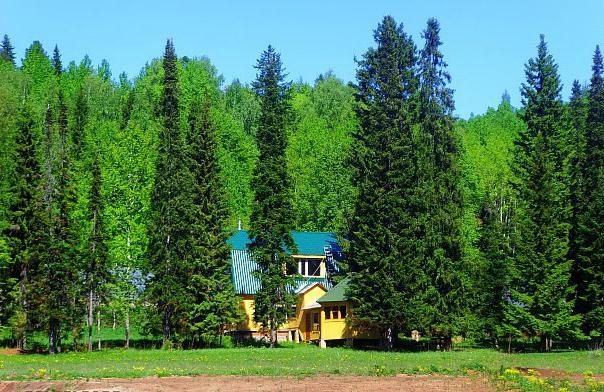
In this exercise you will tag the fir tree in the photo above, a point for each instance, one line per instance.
(7, 51)
(80, 121)
(215, 305)
(272, 218)
(62, 267)
(97, 269)
(28, 228)
(56, 61)
(576, 112)
(540, 295)
(169, 230)
(590, 255)
(440, 302)
(382, 228)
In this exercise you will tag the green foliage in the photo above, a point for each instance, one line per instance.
(272, 218)
(169, 233)
(317, 152)
(215, 307)
(540, 293)
(489, 204)
(441, 301)
(7, 51)
(382, 228)
(590, 233)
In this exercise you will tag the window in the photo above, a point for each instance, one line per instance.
(343, 311)
(315, 317)
(327, 313)
(334, 312)
(309, 267)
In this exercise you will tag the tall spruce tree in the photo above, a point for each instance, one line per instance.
(590, 257)
(80, 120)
(215, 306)
(540, 301)
(7, 51)
(27, 224)
(56, 61)
(272, 218)
(62, 264)
(382, 228)
(97, 269)
(441, 300)
(169, 231)
(576, 112)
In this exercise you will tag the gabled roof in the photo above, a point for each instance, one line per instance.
(242, 273)
(336, 294)
(309, 243)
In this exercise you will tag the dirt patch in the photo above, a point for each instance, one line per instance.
(9, 351)
(552, 374)
(411, 383)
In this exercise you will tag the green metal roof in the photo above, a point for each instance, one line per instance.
(336, 294)
(242, 274)
(308, 242)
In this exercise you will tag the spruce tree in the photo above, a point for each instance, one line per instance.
(80, 121)
(62, 266)
(56, 61)
(215, 305)
(272, 218)
(382, 229)
(7, 51)
(169, 231)
(590, 257)
(97, 268)
(441, 301)
(540, 294)
(28, 227)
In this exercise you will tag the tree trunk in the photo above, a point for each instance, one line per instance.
(52, 336)
(127, 330)
(90, 320)
(98, 327)
(387, 341)
(114, 320)
(447, 343)
(166, 328)
(510, 344)
(545, 344)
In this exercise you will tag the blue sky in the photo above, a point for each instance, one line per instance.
(486, 43)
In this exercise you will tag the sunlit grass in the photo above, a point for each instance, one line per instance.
(297, 360)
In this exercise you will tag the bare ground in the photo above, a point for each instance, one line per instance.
(410, 383)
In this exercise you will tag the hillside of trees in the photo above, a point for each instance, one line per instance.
(117, 195)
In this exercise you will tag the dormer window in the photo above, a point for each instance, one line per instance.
(309, 267)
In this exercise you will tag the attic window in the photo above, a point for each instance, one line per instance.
(309, 267)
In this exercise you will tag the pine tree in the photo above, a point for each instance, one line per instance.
(382, 228)
(56, 61)
(590, 255)
(540, 294)
(7, 51)
(80, 121)
(97, 269)
(169, 231)
(441, 301)
(215, 305)
(272, 218)
(28, 227)
(62, 267)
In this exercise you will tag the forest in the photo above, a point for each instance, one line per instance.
(117, 196)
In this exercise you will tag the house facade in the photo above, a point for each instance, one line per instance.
(322, 311)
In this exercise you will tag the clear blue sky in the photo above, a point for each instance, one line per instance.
(486, 43)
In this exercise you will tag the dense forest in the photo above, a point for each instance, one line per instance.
(117, 195)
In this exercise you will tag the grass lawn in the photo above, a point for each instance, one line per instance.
(295, 360)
